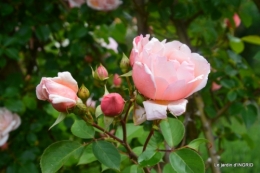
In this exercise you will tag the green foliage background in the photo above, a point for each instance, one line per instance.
(32, 45)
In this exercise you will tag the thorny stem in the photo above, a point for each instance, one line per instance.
(208, 134)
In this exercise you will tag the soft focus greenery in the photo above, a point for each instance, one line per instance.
(41, 38)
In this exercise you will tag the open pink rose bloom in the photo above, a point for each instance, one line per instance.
(166, 73)
(60, 91)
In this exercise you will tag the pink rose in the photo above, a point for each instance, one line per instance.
(101, 73)
(8, 122)
(104, 5)
(76, 3)
(60, 91)
(112, 104)
(117, 80)
(166, 73)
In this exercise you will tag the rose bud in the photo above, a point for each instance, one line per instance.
(124, 64)
(101, 73)
(60, 91)
(166, 73)
(83, 93)
(104, 5)
(117, 80)
(236, 20)
(8, 122)
(112, 104)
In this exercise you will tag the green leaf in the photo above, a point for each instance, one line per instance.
(133, 169)
(168, 169)
(42, 32)
(61, 117)
(194, 144)
(56, 154)
(12, 53)
(172, 130)
(87, 155)
(254, 39)
(132, 131)
(127, 74)
(232, 95)
(246, 17)
(82, 130)
(98, 111)
(149, 158)
(107, 154)
(187, 161)
(108, 121)
(30, 101)
(249, 115)
(236, 44)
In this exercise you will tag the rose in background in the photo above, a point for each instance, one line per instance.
(236, 20)
(76, 3)
(112, 44)
(117, 80)
(104, 5)
(8, 122)
(166, 73)
(60, 91)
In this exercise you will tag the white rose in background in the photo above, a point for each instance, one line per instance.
(104, 5)
(8, 122)
(112, 44)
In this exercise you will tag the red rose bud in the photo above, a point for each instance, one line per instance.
(117, 80)
(101, 73)
(112, 104)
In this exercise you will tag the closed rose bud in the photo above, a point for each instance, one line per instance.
(117, 80)
(124, 64)
(60, 91)
(83, 93)
(112, 104)
(101, 73)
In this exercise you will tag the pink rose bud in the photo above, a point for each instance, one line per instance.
(8, 122)
(236, 20)
(60, 91)
(104, 5)
(166, 73)
(101, 73)
(117, 80)
(215, 86)
(76, 3)
(112, 104)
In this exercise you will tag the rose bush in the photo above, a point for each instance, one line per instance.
(166, 73)
(8, 122)
(104, 5)
(60, 91)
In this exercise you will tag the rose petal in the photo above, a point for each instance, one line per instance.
(185, 71)
(175, 91)
(56, 99)
(177, 107)
(161, 85)
(139, 115)
(65, 78)
(155, 110)
(143, 77)
(3, 139)
(202, 67)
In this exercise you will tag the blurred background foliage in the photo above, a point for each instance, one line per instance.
(42, 38)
